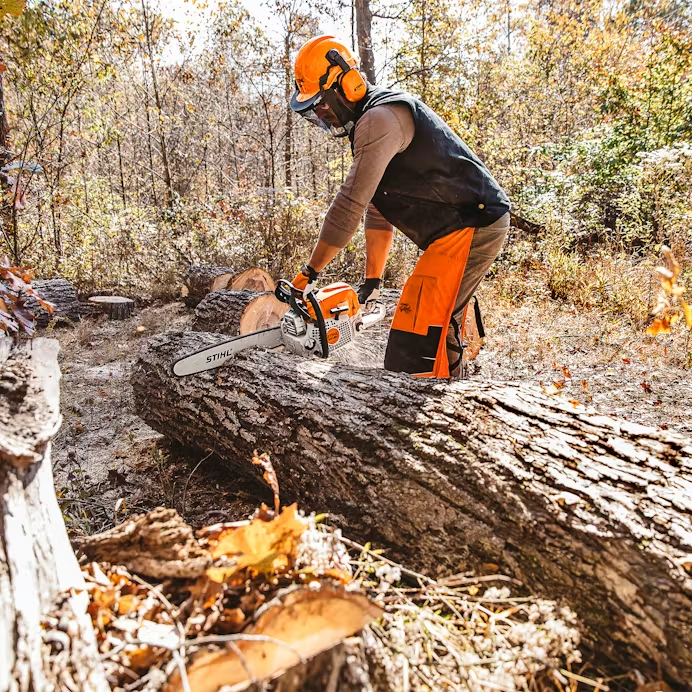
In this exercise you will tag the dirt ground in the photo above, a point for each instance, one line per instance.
(109, 464)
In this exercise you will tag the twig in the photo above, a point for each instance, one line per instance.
(586, 681)
(187, 482)
(404, 570)
(180, 661)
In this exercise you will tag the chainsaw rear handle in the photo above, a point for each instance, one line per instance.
(286, 292)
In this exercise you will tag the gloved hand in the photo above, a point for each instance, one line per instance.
(369, 290)
(305, 279)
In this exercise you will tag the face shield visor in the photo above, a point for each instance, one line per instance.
(328, 110)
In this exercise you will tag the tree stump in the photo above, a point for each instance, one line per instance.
(116, 307)
(238, 312)
(468, 475)
(37, 565)
(200, 281)
(62, 294)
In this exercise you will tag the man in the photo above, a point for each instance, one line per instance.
(410, 171)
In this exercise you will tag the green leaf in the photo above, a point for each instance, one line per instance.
(14, 7)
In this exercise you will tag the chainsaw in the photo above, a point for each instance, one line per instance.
(318, 323)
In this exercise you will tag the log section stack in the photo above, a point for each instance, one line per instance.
(199, 281)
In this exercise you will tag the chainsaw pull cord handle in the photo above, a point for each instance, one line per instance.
(286, 292)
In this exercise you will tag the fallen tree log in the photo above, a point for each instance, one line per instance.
(37, 565)
(62, 294)
(200, 281)
(470, 475)
(238, 312)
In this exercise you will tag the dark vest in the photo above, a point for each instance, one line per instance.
(437, 185)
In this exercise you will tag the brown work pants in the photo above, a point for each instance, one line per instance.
(426, 331)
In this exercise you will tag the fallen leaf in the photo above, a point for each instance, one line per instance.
(646, 387)
(128, 604)
(269, 476)
(261, 546)
(659, 326)
(307, 621)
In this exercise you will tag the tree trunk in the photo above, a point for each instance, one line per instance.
(116, 307)
(46, 636)
(62, 294)
(238, 312)
(364, 31)
(452, 477)
(199, 281)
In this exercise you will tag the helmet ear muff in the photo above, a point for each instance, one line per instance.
(353, 85)
(350, 80)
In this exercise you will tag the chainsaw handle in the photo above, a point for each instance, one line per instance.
(320, 323)
(286, 292)
(375, 316)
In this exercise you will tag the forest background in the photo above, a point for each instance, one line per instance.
(138, 144)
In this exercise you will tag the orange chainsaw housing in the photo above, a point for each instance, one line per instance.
(339, 297)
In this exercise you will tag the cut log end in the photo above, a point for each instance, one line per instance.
(261, 313)
(116, 307)
(253, 279)
(238, 312)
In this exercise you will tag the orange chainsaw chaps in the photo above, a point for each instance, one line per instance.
(339, 297)
(417, 340)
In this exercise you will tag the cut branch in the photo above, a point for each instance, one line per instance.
(39, 574)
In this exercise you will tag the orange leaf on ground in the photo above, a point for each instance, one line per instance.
(659, 326)
(261, 546)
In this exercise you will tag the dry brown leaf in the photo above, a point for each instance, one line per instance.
(308, 621)
(260, 546)
(269, 476)
(128, 604)
(659, 326)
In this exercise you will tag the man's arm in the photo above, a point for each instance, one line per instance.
(379, 234)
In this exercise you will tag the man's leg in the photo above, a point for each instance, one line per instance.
(417, 340)
(485, 247)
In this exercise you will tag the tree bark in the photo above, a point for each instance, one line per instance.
(199, 281)
(46, 636)
(364, 31)
(451, 477)
(62, 294)
(238, 312)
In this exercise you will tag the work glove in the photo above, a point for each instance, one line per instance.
(369, 290)
(305, 279)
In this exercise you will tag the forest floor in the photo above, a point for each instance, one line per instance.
(106, 457)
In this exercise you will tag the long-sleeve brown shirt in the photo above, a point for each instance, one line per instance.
(381, 133)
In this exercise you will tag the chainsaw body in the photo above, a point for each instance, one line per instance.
(340, 313)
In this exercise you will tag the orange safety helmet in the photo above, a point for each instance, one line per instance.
(322, 63)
